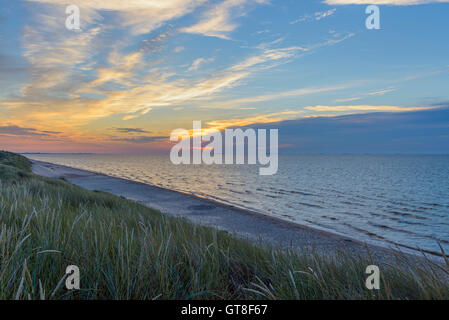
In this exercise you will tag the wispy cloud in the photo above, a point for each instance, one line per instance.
(317, 16)
(14, 130)
(56, 61)
(198, 63)
(268, 55)
(71, 87)
(218, 20)
(218, 125)
(363, 108)
(178, 49)
(141, 16)
(348, 99)
(243, 102)
(382, 92)
(135, 63)
(142, 139)
(130, 130)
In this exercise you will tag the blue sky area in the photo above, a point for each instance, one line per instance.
(138, 70)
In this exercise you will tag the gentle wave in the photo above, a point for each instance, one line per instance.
(382, 199)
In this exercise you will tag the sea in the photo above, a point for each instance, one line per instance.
(389, 200)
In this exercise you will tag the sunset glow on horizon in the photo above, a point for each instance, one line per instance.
(137, 70)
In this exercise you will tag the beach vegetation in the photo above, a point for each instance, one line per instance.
(125, 250)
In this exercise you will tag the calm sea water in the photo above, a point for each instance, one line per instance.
(378, 199)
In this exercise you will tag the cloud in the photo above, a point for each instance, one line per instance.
(279, 95)
(56, 57)
(62, 64)
(324, 14)
(372, 93)
(348, 99)
(14, 130)
(105, 75)
(76, 78)
(278, 117)
(178, 49)
(218, 20)
(130, 130)
(157, 91)
(268, 55)
(126, 87)
(143, 139)
(382, 2)
(382, 92)
(198, 63)
(363, 108)
(416, 132)
(136, 97)
(142, 16)
(218, 125)
(315, 17)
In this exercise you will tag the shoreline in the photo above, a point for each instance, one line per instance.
(246, 224)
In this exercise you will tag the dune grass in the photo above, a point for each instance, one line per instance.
(125, 250)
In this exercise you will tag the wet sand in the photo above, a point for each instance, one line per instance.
(264, 229)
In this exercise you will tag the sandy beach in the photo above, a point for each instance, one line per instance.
(260, 228)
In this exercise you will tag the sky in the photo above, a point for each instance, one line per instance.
(139, 69)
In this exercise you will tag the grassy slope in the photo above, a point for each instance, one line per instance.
(127, 251)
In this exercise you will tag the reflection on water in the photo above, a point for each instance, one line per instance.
(400, 199)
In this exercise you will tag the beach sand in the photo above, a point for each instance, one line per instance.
(260, 228)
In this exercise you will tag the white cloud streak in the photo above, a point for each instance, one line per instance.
(218, 20)
(198, 63)
(142, 16)
(317, 16)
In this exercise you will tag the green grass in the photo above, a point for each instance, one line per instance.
(15, 160)
(125, 250)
